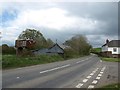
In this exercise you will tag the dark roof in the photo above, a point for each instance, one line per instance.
(55, 49)
(113, 43)
(104, 45)
(44, 50)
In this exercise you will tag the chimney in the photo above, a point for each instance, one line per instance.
(107, 41)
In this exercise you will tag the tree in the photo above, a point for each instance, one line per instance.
(49, 42)
(79, 44)
(35, 35)
(8, 50)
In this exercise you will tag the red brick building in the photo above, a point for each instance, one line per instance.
(22, 45)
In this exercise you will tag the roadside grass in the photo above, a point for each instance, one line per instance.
(12, 61)
(111, 87)
(111, 59)
(0, 61)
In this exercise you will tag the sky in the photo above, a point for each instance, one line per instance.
(62, 20)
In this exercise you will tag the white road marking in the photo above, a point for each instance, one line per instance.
(55, 68)
(99, 74)
(83, 60)
(92, 74)
(88, 77)
(91, 86)
(98, 78)
(85, 80)
(94, 82)
(79, 85)
(103, 69)
(97, 68)
(100, 60)
(18, 77)
(78, 61)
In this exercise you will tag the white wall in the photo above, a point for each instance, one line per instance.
(104, 48)
(111, 49)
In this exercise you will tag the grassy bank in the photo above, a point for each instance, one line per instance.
(111, 87)
(111, 59)
(12, 61)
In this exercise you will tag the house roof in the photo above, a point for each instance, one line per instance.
(113, 43)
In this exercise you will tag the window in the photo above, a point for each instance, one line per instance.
(24, 43)
(114, 49)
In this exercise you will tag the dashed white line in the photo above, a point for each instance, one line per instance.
(88, 77)
(79, 85)
(17, 77)
(99, 74)
(85, 80)
(98, 78)
(78, 61)
(103, 69)
(92, 74)
(55, 68)
(91, 86)
(94, 82)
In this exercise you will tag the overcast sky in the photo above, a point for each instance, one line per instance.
(98, 21)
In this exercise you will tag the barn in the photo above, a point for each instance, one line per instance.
(55, 49)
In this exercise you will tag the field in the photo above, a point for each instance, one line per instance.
(12, 61)
(111, 59)
(96, 50)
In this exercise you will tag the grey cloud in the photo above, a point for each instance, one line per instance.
(106, 12)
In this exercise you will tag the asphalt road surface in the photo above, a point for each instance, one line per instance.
(85, 72)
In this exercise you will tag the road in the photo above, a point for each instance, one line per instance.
(85, 72)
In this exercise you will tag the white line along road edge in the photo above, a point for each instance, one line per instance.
(55, 68)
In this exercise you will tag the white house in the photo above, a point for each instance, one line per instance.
(111, 48)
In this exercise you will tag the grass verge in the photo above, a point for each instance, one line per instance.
(12, 61)
(111, 59)
(111, 87)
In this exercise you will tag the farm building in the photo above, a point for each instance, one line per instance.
(21, 45)
(55, 49)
